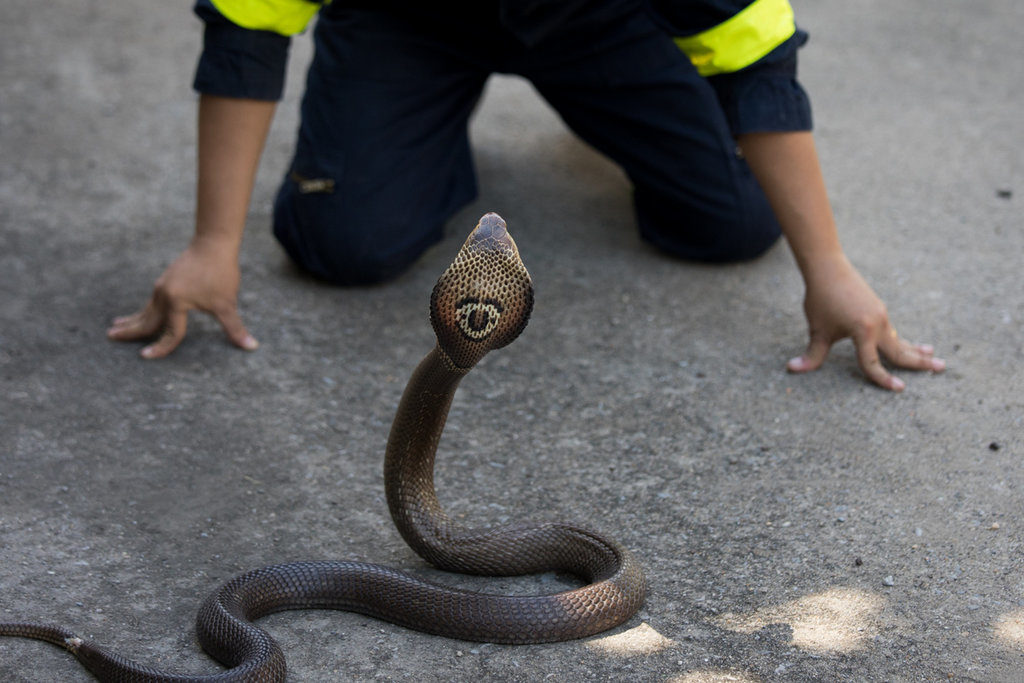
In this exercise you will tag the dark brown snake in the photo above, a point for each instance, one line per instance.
(481, 302)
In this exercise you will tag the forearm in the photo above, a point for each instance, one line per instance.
(786, 166)
(232, 133)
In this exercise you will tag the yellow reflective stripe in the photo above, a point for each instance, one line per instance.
(742, 40)
(287, 17)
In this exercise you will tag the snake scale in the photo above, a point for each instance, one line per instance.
(481, 302)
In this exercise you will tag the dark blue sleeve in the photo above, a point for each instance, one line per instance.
(766, 96)
(239, 62)
(763, 97)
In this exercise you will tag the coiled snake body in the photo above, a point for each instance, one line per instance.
(481, 302)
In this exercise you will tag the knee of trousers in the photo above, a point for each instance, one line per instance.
(738, 231)
(327, 236)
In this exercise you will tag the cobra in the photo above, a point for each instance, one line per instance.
(489, 277)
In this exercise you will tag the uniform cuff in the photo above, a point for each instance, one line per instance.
(239, 62)
(766, 96)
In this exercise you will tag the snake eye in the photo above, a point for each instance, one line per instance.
(477, 319)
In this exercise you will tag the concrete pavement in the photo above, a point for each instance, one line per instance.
(792, 527)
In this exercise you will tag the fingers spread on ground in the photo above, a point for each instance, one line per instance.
(812, 358)
(171, 335)
(231, 321)
(871, 364)
(912, 356)
(139, 325)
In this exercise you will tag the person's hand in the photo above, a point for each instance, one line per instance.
(204, 277)
(840, 304)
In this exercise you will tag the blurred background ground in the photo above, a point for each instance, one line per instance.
(792, 527)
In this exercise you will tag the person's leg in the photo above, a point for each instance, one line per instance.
(626, 89)
(382, 158)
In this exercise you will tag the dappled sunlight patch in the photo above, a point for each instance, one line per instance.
(837, 620)
(713, 676)
(1009, 629)
(640, 640)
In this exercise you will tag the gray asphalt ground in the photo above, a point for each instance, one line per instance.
(793, 528)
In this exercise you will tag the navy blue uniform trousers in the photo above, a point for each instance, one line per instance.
(384, 120)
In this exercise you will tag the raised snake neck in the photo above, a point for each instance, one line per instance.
(481, 302)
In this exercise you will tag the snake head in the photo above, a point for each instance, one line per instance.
(483, 301)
